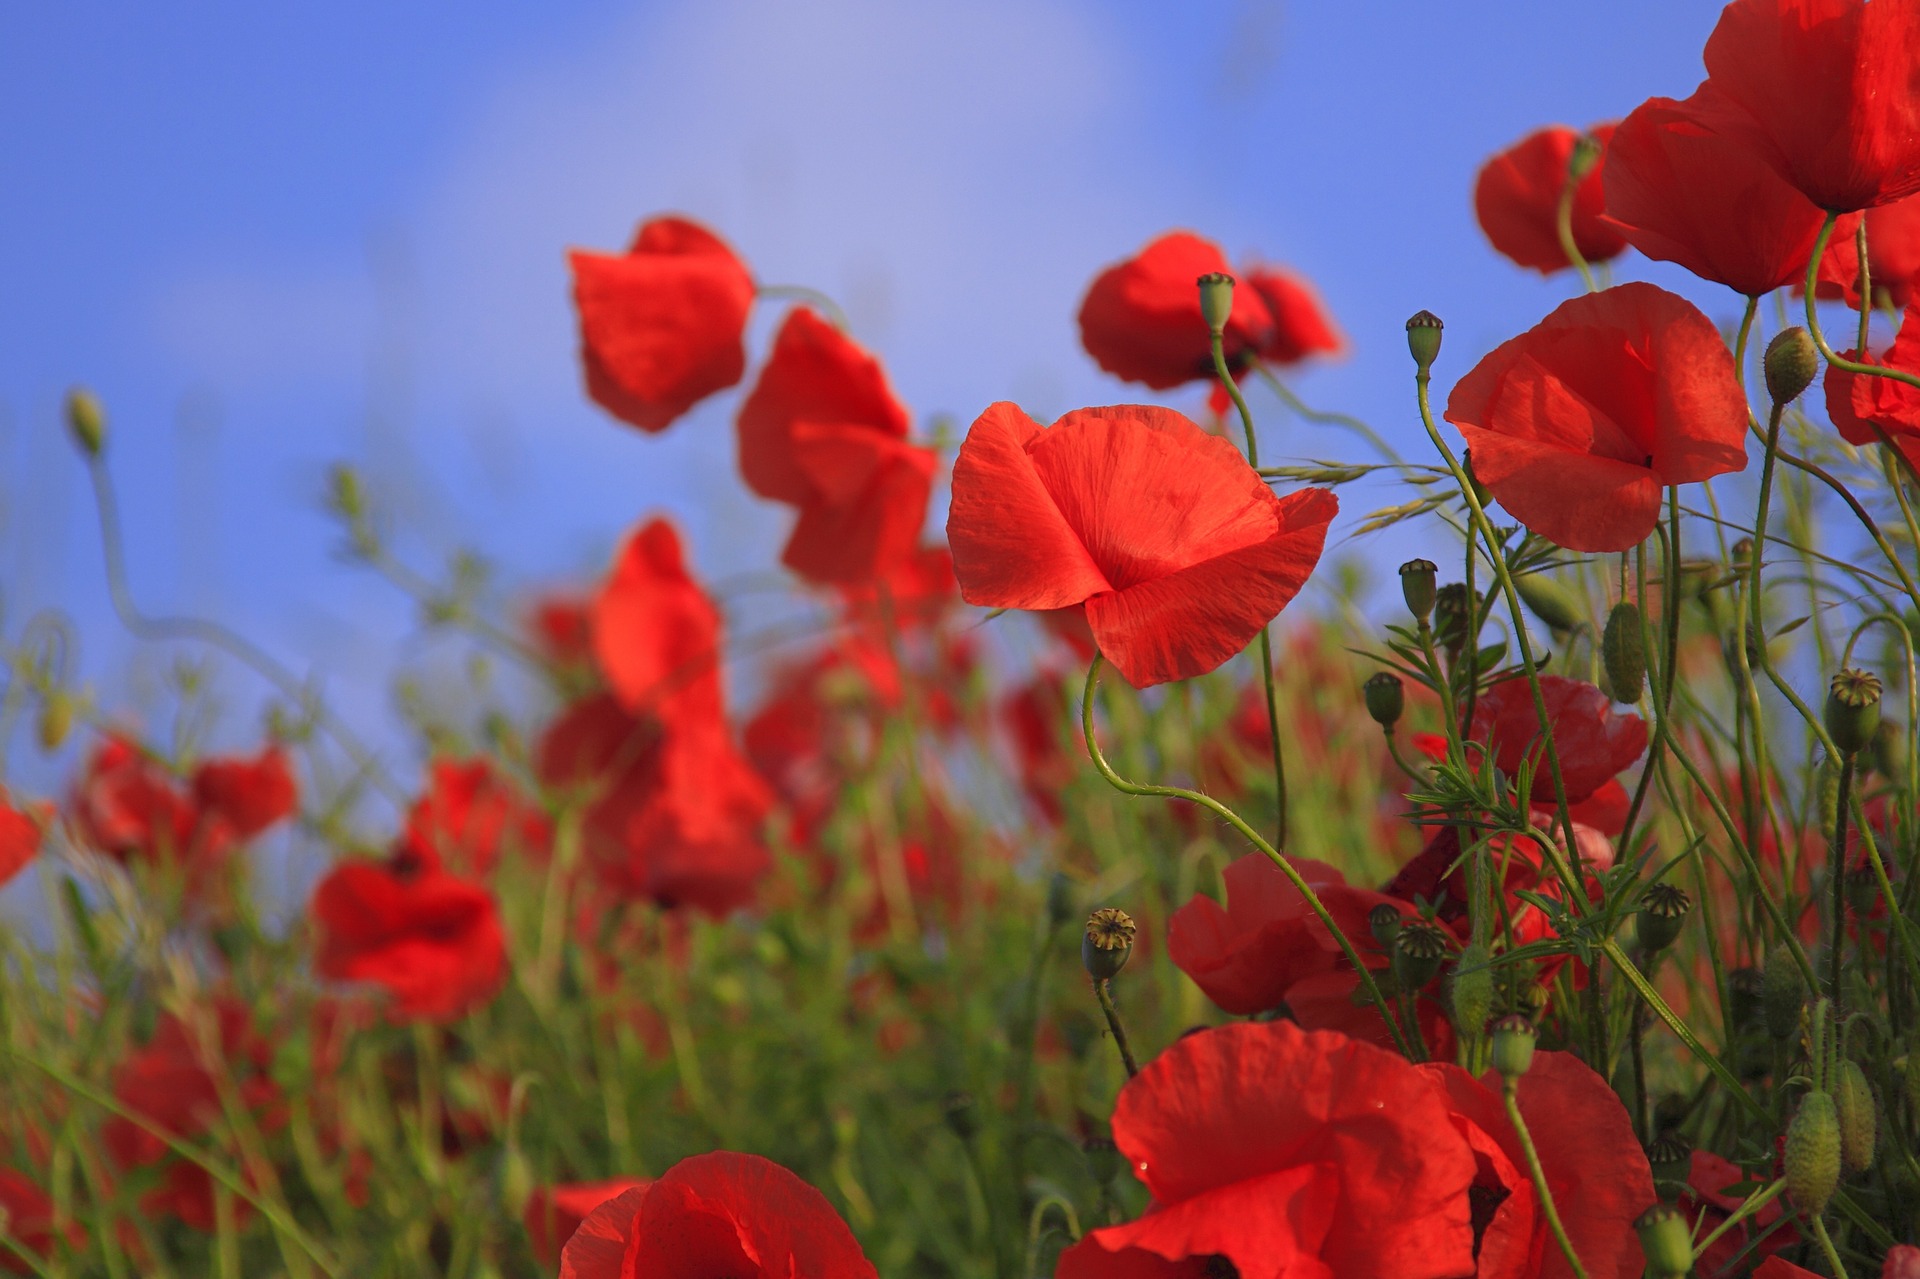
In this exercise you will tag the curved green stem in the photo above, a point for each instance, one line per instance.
(1750, 1205)
(1113, 1024)
(809, 295)
(1563, 227)
(1826, 1245)
(1813, 318)
(1344, 420)
(1509, 1093)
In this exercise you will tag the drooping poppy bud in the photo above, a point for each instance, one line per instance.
(1859, 1117)
(1666, 1241)
(1623, 652)
(1812, 1154)
(1386, 698)
(1513, 1041)
(86, 421)
(1783, 994)
(1419, 948)
(1108, 943)
(1417, 587)
(1550, 602)
(1791, 365)
(1423, 339)
(1663, 910)
(1216, 300)
(1853, 709)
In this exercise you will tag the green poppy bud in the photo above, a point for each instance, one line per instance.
(1663, 909)
(1108, 943)
(1549, 601)
(86, 421)
(1888, 753)
(1623, 652)
(1783, 993)
(1859, 1117)
(1666, 1241)
(1791, 364)
(1853, 709)
(1585, 154)
(1513, 1041)
(1419, 948)
(1417, 579)
(1386, 698)
(1812, 1153)
(1216, 300)
(56, 720)
(1470, 991)
(1423, 339)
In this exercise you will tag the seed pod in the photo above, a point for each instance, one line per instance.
(1666, 1241)
(1791, 364)
(1386, 698)
(1216, 300)
(1470, 991)
(1812, 1155)
(1623, 652)
(1859, 1117)
(1853, 709)
(1663, 910)
(1108, 943)
(1783, 993)
(1419, 948)
(1423, 339)
(1383, 921)
(1450, 608)
(1671, 1158)
(1513, 1041)
(1417, 578)
(1549, 601)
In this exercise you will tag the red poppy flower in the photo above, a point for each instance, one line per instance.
(1039, 718)
(1834, 86)
(1684, 184)
(656, 635)
(172, 1082)
(555, 1212)
(1893, 256)
(128, 807)
(1858, 402)
(468, 813)
(718, 1214)
(1594, 1166)
(19, 839)
(1292, 1179)
(823, 432)
(1141, 318)
(1517, 199)
(562, 627)
(1708, 1177)
(431, 939)
(1179, 552)
(247, 795)
(1593, 741)
(661, 326)
(1301, 325)
(1577, 424)
(1777, 1267)
(1903, 1262)
(29, 1220)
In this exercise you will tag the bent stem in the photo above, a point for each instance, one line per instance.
(1510, 1094)
(1826, 1245)
(1752, 1204)
(1112, 1013)
(1563, 227)
(808, 294)
(1239, 823)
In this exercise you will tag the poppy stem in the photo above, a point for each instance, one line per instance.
(809, 295)
(1813, 319)
(1563, 226)
(1748, 1206)
(1113, 1024)
(1866, 282)
(1837, 872)
(1510, 1093)
(1826, 1245)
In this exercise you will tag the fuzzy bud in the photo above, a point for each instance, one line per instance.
(1888, 754)
(1108, 943)
(1812, 1154)
(1663, 910)
(1549, 601)
(1470, 991)
(1853, 709)
(1419, 948)
(1783, 993)
(1386, 698)
(1791, 364)
(1513, 1041)
(1423, 339)
(1216, 300)
(1859, 1117)
(1417, 579)
(86, 421)
(1623, 651)
(1666, 1241)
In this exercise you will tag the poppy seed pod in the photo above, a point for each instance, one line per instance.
(1451, 604)
(1423, 339)
(1859, 1117)
(1108, 943)
(1386, 698)
(1513, 1041)
(1671, 1157)
(86, 421)
(1549, 601)
(1791, 364)
(1470, 991)
(1216, 300)
(1418, 951)
(1783, 994)
(1853, 710)
(1812, 1154)
(1666, 1241)
(1663, 910)
(1623, 652)
(1585, 154)
(1417, 587)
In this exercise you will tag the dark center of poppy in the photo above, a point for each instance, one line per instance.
(1482, 1202)
(1218, 1267)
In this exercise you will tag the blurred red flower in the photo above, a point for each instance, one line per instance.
(1279, 1179)
(555, 1212)
(1179, 552)
(1577, 424)
(1684, 185)
(468, 814)
(1834, 88)
(174, 1083)
(19, 839)
(1893, 256)
(29, 1218)
(661, 325)
(1859, 402)
(719, 1214)
(1517, 199)
(1301, 325)
(656, 635)
(246, 795)
(1593, 741)
(1903, 1262)
(822, 432)
(129, 807)
(430, 938)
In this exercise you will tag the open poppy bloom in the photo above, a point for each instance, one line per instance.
(468, 814)
(1301, 326)
(430, 938)
(1893, 256)
(1517, 200)
(1594, 742)
(661, 325)
(1175, 547)
(1285, 1151)
(1577, 424)
(1860, 402)
(656, 635)
(1683, 184)
(720, 1214)
(19, 839)
(555, 1212)
(822, 432)
(1834, 88)
(247, 796)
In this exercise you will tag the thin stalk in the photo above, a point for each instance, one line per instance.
(1836, 871)
(1510, 1094)
(1112, 1013)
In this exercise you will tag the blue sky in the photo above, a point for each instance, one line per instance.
(273, 236)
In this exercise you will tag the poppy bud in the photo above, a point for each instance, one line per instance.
(962, 1115)
(1423, 339)
(1889, 750)
(1663, 909)
(1791, 364)
(1383, 921)
(1549, 601)
(1783, 993)
(516, 1181)
(1417, 587)
(1481, 493)
(1385, 697)
(1585, 154)
(86, 421)
(344, 492)
(1109, 940)
(1666, 1241)
(1418, 950)
(1859, 1117)
(1853, 709)
(1216, 300)
(1623, 651)
(1513, 1040)
(1671, 1158)
(1812, 1155)
(56, 720)
(1059, 900)
(1450, 607)
(1470, 991)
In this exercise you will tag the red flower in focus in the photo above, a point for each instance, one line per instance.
(1893, 256)
(1708, 1177)
(1179, 552)
(468, 813)
(246, 795)
(29, 1217)
(1684, 185)
(1286, 1151)
(1859, 402)
(430, 938)
(1593, 741)
(661, 326)
(823, 432)
(1577, 424)
(19, 839)
(555, 1212)
(1594, 1166)
(1517, 199)
(656, 635)
(1834, 87)
(173, 1082)
(720, 1214)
